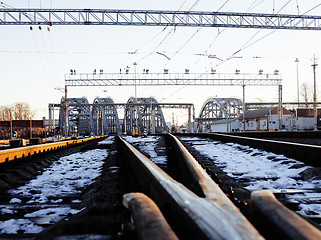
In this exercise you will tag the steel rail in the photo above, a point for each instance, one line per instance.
(208, 186)
(210, 218)
(148, 219)
(12, 16)
(268, 210)
(21, 152)
(309, 154)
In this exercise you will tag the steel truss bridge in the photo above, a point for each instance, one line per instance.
(216, 109)
(141, 115)
(180, 79)
(11, 16)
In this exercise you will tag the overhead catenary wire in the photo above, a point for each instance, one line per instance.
(183, 45)
(254, 5)
(154, 37)
(221, 31)
(223, 5)
(158, 45)
(39, 54)
(247, 44)
(284, 6)
(297, 6)
(150, 40)
(311, 9)
(194, 5)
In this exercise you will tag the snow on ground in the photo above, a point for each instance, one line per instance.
(109, 140)
(148, 145)
(67, 176)
(258, 169)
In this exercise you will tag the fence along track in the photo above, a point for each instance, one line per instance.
(212, 217)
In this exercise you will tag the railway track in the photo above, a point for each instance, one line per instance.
(148, 188)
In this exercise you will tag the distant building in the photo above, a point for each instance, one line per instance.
(226, 125)
(305, 118)
(265, 119)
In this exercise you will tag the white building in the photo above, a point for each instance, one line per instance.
(265, 119)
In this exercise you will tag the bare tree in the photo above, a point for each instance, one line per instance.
(306, 92)
(5, 113)
(20, 111)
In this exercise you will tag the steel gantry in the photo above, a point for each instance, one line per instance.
(12, 16)
(156, 79)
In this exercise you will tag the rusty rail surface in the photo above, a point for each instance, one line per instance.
(212, 217)
(21, 152)
(148, 219)
(269, 211)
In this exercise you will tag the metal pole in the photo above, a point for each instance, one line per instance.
(189, 120)
(280, 108)
(10, 125)
(50, 117)
(53, 119)
(243, 122)
(97, 122)
(297, 79)
(102, 121)
(135, 64)
(30, 128)
(194, 125)
(153, 121)
(315, 94)
(66, 113)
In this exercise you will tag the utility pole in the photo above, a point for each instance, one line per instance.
(297, 79)
(314, 65)
(10, 125)
(30, 128)
(135, 64)
(243, 120)
(136, 107)
(66, 114)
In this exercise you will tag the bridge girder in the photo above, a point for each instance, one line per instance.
(79, 115)
(12, 16)
(215, 109)
(105, 116)
(144, 116)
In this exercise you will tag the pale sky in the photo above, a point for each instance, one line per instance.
(33, 63)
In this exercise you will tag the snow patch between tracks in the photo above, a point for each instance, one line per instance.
(67, 176)
(148, 145)
(259, 169)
